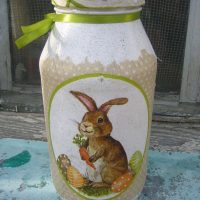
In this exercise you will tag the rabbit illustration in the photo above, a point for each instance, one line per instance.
(105, 152)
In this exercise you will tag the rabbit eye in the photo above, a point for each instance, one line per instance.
(100, 120)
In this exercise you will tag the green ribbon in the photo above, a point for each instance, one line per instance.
(34, 31)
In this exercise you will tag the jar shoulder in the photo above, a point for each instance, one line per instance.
(106, 43)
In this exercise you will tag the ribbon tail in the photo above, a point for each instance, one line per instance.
(29, 37)
(50, 16)
(36, 26)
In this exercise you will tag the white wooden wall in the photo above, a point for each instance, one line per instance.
(5, 61)
(190, 91)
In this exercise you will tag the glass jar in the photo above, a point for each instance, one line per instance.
(98, 82)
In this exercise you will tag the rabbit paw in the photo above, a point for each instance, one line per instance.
(93, 159)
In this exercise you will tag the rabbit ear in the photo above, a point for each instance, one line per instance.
(106, 106)
(87, 101)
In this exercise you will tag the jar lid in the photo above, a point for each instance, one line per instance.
(98, 3)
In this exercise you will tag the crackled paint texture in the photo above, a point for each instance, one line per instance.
(29, 176)
(171, 175)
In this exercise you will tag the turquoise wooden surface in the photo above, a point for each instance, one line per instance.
(25, 174)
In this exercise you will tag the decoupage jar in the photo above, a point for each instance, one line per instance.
(98, 72)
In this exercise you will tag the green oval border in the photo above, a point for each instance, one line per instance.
(93, 75)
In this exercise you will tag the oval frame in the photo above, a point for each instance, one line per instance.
(95, 75)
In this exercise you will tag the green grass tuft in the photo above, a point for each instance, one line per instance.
(96, 192)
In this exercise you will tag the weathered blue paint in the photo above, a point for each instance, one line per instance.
(171, 175)
(30, 181)
(17, 160)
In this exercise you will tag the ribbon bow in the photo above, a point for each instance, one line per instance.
(34, 31)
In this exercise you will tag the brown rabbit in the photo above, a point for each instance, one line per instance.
(97, 127)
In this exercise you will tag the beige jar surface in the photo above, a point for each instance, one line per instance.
(98, 85)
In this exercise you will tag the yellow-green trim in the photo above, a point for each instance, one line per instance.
(85, 76)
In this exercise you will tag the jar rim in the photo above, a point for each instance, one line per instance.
(61, 10)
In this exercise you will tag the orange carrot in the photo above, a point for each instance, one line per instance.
(85, 156)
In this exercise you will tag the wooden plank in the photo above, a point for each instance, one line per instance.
(27, 99)
(175, 136)
(165, 135)
(184, 111)
(22, 125)
(190, 91)
(5, 59)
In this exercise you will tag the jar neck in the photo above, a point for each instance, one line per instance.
(113, 11)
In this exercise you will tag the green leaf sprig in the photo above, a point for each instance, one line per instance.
(80, 140)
